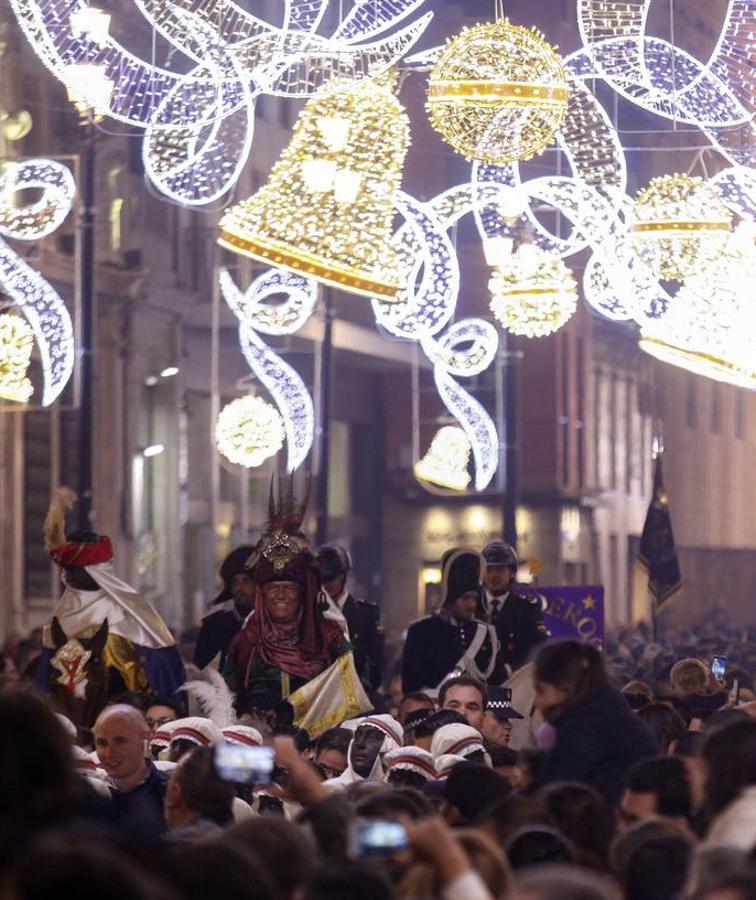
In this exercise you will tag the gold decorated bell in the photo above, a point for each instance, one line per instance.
(446, 462)
(327, 209)
(16, 344)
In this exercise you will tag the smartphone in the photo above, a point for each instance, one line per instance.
(377, 837)
(719, 667)
(244, 765)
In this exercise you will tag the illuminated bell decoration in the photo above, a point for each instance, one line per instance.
(327, 208)
(677, 224)
(249, 431)
(498, 93)
(708, 327)
(533, 293)
(446, 462)
(16, 344)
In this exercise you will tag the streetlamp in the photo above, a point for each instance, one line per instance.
(90, 90)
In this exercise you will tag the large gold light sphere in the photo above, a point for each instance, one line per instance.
(677, 225)
(533, 293)
(447, 460)
(249, 431)
(16, 345)
(498, 93)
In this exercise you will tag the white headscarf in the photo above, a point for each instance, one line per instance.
(458, 740)
(244, 735)
(129, 615)
(198, 730)
(410, 759)
(393, 737)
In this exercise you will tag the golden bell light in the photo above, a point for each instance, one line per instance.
(16, 344)
(498, 93)
(446, 462)
(327, 209)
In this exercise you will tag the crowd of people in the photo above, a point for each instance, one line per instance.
(284, 761)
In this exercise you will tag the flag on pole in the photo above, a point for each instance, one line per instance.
(330, 698)
(657, 579)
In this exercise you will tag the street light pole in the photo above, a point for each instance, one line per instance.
(511, 498)
(324, 406)
(86, 241)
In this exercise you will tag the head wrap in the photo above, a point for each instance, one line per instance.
(162, 735)
(282, 554)
(68, 725)
(457, 739)
(198, 730)
(410, 759)
(446, 762)
(393, 736)
(242, 734)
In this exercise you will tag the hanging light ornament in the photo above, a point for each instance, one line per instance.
(16, 343)
(498, 93)
(708, 328)
(249, 431)
(677, 225)
(446, 462)
(533, 293)
(328, 207)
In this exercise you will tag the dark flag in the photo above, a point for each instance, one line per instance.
(657, 577)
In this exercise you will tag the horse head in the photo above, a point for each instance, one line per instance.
(80, 685)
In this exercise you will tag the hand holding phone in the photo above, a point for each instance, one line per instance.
(719, 667)
(244, 765)
(377, 838)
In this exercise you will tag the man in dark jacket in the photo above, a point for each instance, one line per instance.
(451, 640)
(363, 618)
(228, 611)
(518, 620)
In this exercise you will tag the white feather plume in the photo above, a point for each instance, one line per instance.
(214, 696)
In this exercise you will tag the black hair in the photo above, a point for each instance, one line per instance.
(162, 701)
(201, 788)
(651, 861)
(391, 804)
(665, 724)
(667, 779)
(572, 666)
(348, 880)
(418, 697)
(731, 756)
(463, 681)
(679, 705)
(428, 727)
(334, 739)
(536, 845)
(502, 756)
(473, 789)
(583, 817)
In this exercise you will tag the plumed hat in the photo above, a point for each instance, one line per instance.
(461, 573)
(80, 548)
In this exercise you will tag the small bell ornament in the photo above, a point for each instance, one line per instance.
(327, 209)
(446, 462)
(16, 344)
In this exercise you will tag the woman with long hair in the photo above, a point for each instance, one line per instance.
(596, 735)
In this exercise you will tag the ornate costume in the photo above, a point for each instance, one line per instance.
(267, 661)
(139, 646)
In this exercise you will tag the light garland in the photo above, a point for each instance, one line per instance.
(533, 294)
(199, 125)
(678, 223)
(249, 431)
(282, 382)
(447, 460)
(327, 208)
(498, 93)
(32, 295)
(16, 342)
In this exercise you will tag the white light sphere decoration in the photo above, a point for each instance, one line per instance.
(248, 431)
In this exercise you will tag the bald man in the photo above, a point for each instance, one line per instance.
(137, 788)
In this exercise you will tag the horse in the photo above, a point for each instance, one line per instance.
(80, 684)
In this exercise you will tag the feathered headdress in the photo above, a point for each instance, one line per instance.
(283, 551)
(54, 528)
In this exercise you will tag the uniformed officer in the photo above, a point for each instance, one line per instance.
(452, 640)
(228, 610)
(518, 619)
(363, 618)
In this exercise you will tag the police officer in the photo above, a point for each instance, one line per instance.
(363, 618)
(452, 640)
(518, 620)
(229, 609)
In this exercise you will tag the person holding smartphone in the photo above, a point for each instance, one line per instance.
(694, 683)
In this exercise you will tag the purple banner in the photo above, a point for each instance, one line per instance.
(571, 611)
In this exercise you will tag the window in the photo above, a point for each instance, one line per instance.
(691, 404)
